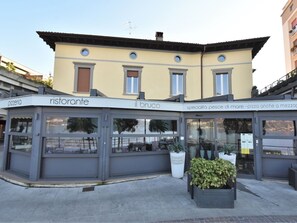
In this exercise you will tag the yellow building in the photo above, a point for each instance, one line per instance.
(124, 67)
(289, 22)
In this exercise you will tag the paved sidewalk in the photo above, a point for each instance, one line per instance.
(160, 199)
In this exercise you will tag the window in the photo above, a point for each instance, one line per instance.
(222, 81)
(177, 58)
(279, 147)
(143, 135)
(221, 58)
(83, 77)
(71, 135)
(133, 55)
(278, 137)
(177, 81)
(222, 84)
(84, 52)
(132, 79)
(20, 134)
(279, 128)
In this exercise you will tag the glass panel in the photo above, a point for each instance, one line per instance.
(73, 145)
(128, 126)
(21, 124)
(56, 125)
(279, 128)
(239, 134)
(222, 84)
(135, 85)
(132, 85)
(174, 84)
(225, 84)
(279, 147)
(218, 85)
(141, 144)
(201, 137)
(129, 85)
(21, 143)
(158, 126)
(180, 84)
(229, 131)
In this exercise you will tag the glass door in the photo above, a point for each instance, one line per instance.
(238, 134)
(207, 136)
(201, 138)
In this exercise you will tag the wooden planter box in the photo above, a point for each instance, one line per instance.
(214, 198)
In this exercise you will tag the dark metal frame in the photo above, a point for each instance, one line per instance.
(292, 174)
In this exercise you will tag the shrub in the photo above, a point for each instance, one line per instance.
(176, 147)
(211, 173)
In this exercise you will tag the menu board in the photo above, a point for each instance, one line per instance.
(246, 143)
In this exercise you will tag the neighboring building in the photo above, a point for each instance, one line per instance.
(289, 21)
(285, 85)
(12, 83)
(124, 67)
(20, 69)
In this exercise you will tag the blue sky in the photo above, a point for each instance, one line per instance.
(196, 21)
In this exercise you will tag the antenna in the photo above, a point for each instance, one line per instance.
(130, 27)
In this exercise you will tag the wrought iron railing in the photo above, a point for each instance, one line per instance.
(289, 75)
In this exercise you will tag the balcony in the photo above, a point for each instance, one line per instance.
(293, 30)
(294, 50)
(282, 85)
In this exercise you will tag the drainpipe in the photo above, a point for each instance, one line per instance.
(201, 70)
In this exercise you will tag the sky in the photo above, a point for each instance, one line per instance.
(194, 21)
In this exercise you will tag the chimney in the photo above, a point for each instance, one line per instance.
(159, 36)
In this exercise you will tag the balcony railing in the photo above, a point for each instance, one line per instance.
(294, 50)
(289, 75)
(293, 30)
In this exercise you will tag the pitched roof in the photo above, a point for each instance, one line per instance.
(51, 38)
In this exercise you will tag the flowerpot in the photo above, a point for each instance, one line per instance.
(189, 186)
(231, 157)
(202, 153)
(192, 152)
(214, 198)
(209, 154)
(177, 161)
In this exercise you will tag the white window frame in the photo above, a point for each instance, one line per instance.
(178, 72)
(130, 90)
(221, 72)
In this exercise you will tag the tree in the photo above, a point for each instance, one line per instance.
(124, 125)
(81, 125)
(10, 67)
(158, 126)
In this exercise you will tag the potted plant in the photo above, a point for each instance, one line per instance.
(211, 181)
(208, 147)
(227, 153)
(177, 159)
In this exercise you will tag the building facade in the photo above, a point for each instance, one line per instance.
(123, 67)
(52, 137)
(289, 23)
(117, 132)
